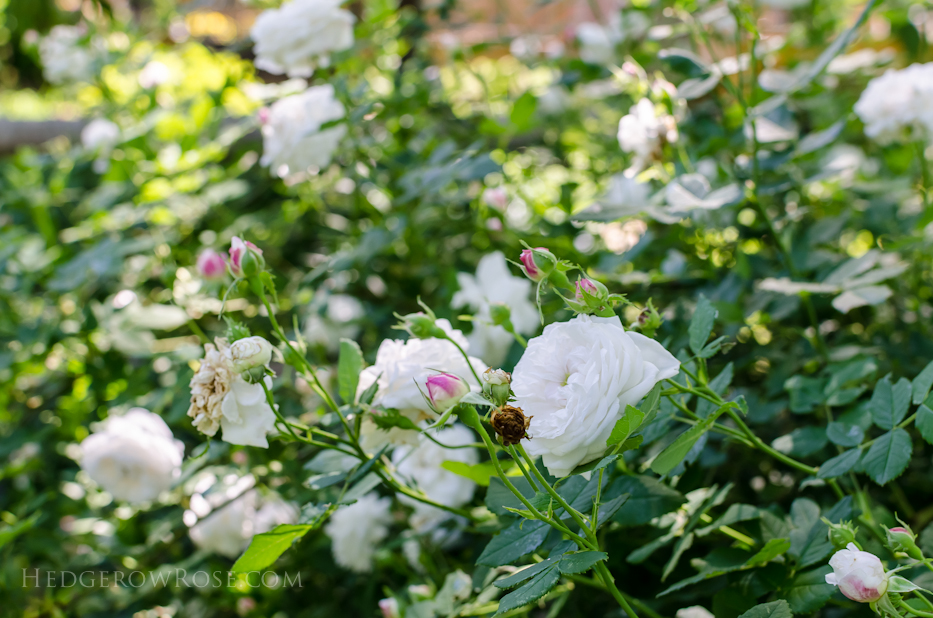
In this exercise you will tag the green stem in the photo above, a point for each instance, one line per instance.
(925, 186)
(915, 612)
(603, 571)
(521, 466)
(469, 364)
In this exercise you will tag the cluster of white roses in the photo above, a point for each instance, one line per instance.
(69, 55)
(295, 39)
(899, 105)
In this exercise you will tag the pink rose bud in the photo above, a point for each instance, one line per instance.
(445, 390)
(263, 115)
(389, 608)
(585, 286)
(860, 575)
(211, 265)
(903, 539)
(537, 263)
(244, 257)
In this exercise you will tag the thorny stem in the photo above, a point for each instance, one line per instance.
(603, 571)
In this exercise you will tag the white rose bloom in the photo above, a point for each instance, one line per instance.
(860, 575)
(298, 36)
(100, 133)
(227, 530)
(292, 139)
(421, 467)
(898, 105)
(250, 352)
(135, 457)
(402, 368)
(575, 381)
(493, 283)
(642, 129)
(274, 512)
(154, 74)
(65, 58)
(356, 529)
(220, 398)
(695, 611)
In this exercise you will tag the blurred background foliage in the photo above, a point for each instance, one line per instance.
(101, 307)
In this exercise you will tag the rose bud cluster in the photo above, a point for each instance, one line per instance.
(860, 575)
(245, 258)
(445, 390)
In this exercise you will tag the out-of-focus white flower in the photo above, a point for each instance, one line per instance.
(100, 133)
(860, 575)
(331, 318)
(576, 379)
(65, 58)
(696, 611)
(227, 530)
(554, 100)
(220, 398)
(274, 512)
(250, 352)
(293, 140)
(154, 74)
(421, 466)
(299, 36)
(899, 104)
(492, 284)
(135, 457)
(389, 608)
(496, 197)
(402, 369)
(356, 529)
(598, 43)
(643, 128)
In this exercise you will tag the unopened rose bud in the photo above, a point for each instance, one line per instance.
(211, 265)
(421, 325)
(250, 353)
(510, 424)
(445, 390)
(537, 263)
(903, 539)
(500, 314)
(389, 608)
(245, 258)
(589, 291)
(859, 575)
(841, 534)
(497, 385)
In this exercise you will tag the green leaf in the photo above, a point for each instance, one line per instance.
(599, 463)
(648, 498)
(498, 496)
(265, 548)
(580, 562)
(519, 539)
(888, 456)
(539, 586)
(771, 550)
(478, 473)
(626, 425)
(668, 459)
(650, 405)
(840, 464)
(349, 366)
(701, 325)
(844, 434)
(320, 481)
(889, 402)
(809, 591)
(924, 423)
(922, 384)
(579, 492)
(801, 442)
(734, 514)
(775, 609)
(805, 393)
(527, 573)
(608, 508)
(9, 533)
(523, 111)
(393, 418)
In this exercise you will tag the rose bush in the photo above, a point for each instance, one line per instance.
(450, 315)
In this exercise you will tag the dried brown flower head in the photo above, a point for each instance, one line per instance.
(511, 424)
